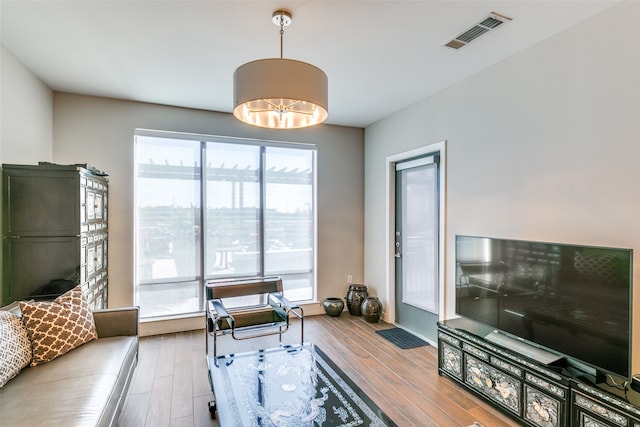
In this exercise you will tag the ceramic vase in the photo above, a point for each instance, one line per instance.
(333, 306)
(355, 297)
(371, 309)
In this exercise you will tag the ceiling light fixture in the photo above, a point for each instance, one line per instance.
(280, 93)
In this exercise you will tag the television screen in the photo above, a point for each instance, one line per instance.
(575, 300)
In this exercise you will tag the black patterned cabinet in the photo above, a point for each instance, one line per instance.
(592, 407)
(54, 232)
(530, 393)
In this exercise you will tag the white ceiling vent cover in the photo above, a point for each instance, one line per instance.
(491, 22)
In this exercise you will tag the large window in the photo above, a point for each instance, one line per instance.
(215, 208)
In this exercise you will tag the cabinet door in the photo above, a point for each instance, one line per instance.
(542, 409)
(99, 252)
(41, 205)
(546, 404)
(98, 206)
(451, 359)
(100, 296)
(493, 383)
(105, 202)
(37, 267)
(91, 260)
(91, 205)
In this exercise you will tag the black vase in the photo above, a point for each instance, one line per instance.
(333, 306)
(371, 309)
(355, 297)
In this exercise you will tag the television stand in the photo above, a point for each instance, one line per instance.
(536, 353)
(533, 393)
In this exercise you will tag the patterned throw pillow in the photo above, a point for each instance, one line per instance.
(56, 327)
(15, 347)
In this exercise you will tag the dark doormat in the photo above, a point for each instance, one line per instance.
(402, 338)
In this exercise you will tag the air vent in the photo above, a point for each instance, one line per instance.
(491, 22)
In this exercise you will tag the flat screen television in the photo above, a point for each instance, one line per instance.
(573, 300)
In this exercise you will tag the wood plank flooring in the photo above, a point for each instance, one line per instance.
(170, 386)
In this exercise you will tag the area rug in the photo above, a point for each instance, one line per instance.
(289, 386)
(401, 338)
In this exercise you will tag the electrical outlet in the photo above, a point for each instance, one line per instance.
(349, 279)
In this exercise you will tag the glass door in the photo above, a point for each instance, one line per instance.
(416, 244)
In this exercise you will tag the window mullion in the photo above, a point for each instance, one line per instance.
(203, 220)
(263, 206)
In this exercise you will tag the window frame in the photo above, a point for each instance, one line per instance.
(201, 250)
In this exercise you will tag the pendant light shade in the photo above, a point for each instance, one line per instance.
(280, 93)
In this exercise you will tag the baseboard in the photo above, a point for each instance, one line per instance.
(194, 322)
(170, 326)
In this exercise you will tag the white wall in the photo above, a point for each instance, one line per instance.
(26, 116)
(26, 113)
(543, 146)
(100, 132)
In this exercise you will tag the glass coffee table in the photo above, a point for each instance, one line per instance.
(296, 385)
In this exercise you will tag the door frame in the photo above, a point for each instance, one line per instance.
(390, 269)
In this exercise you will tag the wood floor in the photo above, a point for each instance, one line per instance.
(170, 386)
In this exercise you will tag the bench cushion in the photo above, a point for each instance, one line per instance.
(91, 382)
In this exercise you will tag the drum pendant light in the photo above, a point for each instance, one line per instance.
(280, 93)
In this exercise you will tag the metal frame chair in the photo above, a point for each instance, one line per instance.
(271, 316)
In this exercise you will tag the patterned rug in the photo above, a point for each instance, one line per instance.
(401, 338)
(289, 386)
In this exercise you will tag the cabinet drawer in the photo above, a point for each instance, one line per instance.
(494, 384)
(480, 354)
(548, 387)
(505, 366)
(592, 413)
(586, 420)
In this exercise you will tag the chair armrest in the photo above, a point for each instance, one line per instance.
(282, 300)
(220, 313)
(114, 322)
(285, 303)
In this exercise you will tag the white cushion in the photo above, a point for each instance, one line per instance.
(15, 346)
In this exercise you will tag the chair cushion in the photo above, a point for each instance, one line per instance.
(56, 327)
(254, 317)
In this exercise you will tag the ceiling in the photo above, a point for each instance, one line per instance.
(379, 56)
